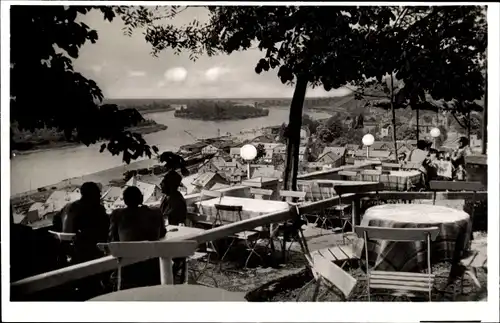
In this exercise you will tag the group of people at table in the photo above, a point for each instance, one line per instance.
(88, 220)
(435, 164)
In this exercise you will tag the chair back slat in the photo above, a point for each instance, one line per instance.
(397, 234)
(333, 274)
(229, 208)
(63, 236)
(358, 188)
(153, 249)
(456, 186)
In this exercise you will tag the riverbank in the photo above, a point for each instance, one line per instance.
(53, 145)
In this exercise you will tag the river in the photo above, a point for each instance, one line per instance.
(38, 169)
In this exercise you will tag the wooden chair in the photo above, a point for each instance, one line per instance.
(65, 253)
(470, 260)
(211, 194)
(402, 282)
(250, 237)
(293, 198)
(164, 250)
(306, 186)
(330, 275)
(436, 186)
(342, 190)
(340, 254)
(458, 186)
(475, 259)
(327, 215)
(200, 217)
(202, 256)
(371, 175)
(261, 194)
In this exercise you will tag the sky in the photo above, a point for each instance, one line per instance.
(123, 67)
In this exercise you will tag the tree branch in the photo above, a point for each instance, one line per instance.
(458, 121)
(365, 94)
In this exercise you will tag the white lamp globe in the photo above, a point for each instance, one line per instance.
(368, 139)
(248, 152)
(435, 132)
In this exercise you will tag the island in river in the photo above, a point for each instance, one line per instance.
(220, 110)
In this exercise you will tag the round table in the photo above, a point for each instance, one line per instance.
(179, 293)
(411, 256)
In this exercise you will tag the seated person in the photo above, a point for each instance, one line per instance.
(88, 219)
(418, 157)
(458, 158)
(174, 209)
(137, 222)
(419, 154)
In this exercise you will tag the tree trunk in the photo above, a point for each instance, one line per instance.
(485, 114)
(418, 117)
(468, 126)
(393, 110)
(293, 140)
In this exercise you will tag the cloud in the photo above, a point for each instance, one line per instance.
(176, 74)
(97, 68)
(213, 74)
(136, 73)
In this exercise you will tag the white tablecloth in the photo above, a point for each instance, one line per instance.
(251, 207)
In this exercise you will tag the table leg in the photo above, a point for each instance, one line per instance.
(166, 271)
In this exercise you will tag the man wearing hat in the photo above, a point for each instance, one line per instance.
(174, 209)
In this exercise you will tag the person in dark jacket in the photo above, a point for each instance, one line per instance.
(173, 206)
(137, 222)
(174, 209)
(88, 219)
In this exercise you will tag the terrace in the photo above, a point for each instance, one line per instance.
(281, 276)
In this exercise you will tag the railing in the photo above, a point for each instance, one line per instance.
(72, 273)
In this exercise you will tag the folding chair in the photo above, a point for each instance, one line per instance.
(458, 186)
(66, 244)
(467, 262)
(342, 190)
(202, 256)
(371, 175)
(143, 250)
(261, 194)
(250, 237)
(330, 275)
(339, 254)
(326, 191)
(293, 198)
(403, 283)
(306, 186)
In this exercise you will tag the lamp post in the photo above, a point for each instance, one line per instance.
(248, 153)
(435, 132)
(368, 140)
